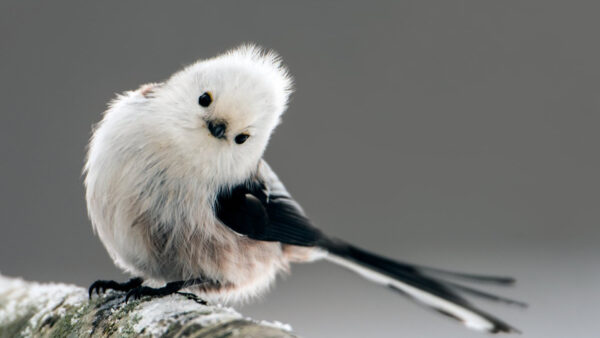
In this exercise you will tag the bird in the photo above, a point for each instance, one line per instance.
(180, 195)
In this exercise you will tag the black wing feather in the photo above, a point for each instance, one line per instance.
(250, 210)
(262, 209)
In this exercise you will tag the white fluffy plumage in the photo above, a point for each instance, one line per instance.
(153, 170)
(177, 190)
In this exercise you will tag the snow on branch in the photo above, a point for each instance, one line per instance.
(58, 310)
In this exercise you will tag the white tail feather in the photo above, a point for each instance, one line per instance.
(469, 318)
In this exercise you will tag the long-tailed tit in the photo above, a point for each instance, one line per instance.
(178, 192)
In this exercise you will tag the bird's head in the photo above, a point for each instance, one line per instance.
(220, 112)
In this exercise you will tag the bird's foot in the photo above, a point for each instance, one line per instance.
(142, 291)
(168, 289)
(100, 286)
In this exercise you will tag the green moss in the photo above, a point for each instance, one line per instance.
(70, 324)
(173, 330)
(126, 309)
(64, 327)
(127, 331)
(108, 316)
(14, 328)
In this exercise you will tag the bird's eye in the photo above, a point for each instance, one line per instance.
(241, 138)
(205, 99)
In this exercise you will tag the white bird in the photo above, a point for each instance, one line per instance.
(178, 192)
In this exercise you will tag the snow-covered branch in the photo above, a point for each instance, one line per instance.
(59, 310)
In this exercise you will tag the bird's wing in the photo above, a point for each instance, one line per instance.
(262, 209)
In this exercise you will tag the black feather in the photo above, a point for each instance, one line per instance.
(412, 275)
(248, 210)
(501, 280)
(263, 210)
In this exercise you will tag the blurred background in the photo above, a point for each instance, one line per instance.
(457, 134)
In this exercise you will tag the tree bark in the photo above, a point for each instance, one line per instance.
(60, 310)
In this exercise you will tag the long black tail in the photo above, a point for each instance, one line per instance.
(264, 211)
(428, 286)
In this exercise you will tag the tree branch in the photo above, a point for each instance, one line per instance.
(58, 310)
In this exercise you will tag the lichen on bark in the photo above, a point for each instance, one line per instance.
(29, 309)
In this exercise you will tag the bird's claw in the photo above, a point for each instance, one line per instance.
(134, 294)
(142, 291)
(100, 286)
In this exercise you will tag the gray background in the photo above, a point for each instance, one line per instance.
(456, 134)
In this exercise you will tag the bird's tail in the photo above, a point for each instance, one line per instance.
(429, 286)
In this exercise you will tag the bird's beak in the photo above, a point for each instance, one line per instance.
(217, 128)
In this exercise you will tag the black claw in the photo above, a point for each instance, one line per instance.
(132, 294)
(138, 291)
(100, 286)
(142, 291)
(92, 288)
